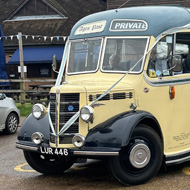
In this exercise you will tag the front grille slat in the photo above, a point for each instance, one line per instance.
(69, 106)
(114, 96)
(66, 139)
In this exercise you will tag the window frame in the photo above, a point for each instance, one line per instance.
(99, 58)
(125, 37)
(172, 53)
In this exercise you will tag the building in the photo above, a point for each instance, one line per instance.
(44, 25)
(113, 4)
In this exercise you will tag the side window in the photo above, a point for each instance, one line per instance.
(160, 58)
(182, 48)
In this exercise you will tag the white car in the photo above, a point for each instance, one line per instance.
(9, 115)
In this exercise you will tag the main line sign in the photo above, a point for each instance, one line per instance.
(93, 27)
(128, 25)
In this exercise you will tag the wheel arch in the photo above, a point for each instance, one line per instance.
(153, 123)
(32, 125)
(18, 116)
(117, 131)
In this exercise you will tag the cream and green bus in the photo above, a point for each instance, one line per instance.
(122, 93)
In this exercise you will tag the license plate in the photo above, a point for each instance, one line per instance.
(54, 151)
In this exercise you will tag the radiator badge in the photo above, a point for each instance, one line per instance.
(70, 108)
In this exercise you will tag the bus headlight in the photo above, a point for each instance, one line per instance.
(39, 111)
(87, 113)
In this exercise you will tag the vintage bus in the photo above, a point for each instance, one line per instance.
(122, 93)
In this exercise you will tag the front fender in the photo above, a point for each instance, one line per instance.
(31, 125)
(116, 132)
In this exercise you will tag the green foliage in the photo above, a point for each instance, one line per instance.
(25, 109)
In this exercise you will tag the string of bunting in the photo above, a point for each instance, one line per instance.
(34, 37)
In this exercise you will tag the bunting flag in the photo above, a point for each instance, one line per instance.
(59, 38)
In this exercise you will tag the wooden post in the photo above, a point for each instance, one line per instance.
(22, 84)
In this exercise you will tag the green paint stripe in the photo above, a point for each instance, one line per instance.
(171, 82)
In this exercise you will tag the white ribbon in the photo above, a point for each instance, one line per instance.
(75, 117)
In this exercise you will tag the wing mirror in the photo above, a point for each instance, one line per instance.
(177, 63)
(54, 64)
(2, 96)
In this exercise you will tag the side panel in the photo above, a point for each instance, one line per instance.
(116, 132)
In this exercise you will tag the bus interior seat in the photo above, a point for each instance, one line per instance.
(106, 59)
(124, 65)
(137, 67)
(186, 65)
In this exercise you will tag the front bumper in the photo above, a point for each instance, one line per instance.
(72, 152)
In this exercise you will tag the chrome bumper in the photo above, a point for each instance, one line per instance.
(73, 152)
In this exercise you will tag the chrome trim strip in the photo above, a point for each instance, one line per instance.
(57, 113)
(178, 154)
(84, 153)
(94, 153)
(178, 160)
(25, 147)
(66, 103)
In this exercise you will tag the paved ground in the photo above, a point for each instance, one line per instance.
(21, 120)
(93, 175)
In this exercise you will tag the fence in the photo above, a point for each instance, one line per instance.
(33, 95)
(38, 93)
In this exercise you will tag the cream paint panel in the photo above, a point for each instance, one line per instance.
(180, 129)
(157, 102)
(111, 108)
(172, 115)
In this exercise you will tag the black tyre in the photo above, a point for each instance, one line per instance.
(11, 124)
(48, 164)
(140, 160)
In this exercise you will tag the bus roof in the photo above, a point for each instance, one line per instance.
(134, 21)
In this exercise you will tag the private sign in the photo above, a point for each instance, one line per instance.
(128, 25)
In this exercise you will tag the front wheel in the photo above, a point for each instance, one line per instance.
(141, 159)
(48, 164)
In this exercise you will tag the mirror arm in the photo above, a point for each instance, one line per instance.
(53, 68)
(54, 64)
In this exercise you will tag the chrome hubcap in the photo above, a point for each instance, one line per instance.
(140, 156)
(13, 123)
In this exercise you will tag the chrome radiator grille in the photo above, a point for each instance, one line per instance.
(69, 105)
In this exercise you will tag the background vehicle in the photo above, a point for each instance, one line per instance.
(135, 114)
(9, 115)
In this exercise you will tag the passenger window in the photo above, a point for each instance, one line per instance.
(182, 48)
(160, 58)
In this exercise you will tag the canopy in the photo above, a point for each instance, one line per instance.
(37, 55)
(3, 74)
